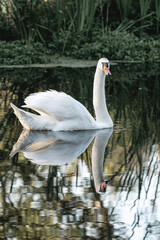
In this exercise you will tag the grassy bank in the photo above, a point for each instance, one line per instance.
(32, 31)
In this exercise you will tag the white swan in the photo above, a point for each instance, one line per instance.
(60, 112)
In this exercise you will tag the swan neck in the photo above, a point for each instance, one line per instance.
(99, 99)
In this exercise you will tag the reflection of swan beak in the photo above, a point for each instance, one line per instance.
(103, 187)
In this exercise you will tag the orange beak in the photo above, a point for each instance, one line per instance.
(106, 70)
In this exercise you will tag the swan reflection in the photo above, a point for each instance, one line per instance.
(57, 148)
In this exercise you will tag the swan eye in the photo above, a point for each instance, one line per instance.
(106, 64)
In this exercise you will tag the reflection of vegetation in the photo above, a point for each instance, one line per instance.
(41, 201)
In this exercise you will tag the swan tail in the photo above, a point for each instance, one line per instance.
(28, 120)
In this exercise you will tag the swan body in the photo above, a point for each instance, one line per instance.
(60, 112)
(65, 114)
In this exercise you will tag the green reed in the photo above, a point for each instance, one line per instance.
(54, 16)
(157, 10)
(79, 16)
(133, 26)
(124, 8)
(81, 13)
(144, 7)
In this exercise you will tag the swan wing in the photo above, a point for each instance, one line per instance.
(57, 105)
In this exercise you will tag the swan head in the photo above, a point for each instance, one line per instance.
(104, 65)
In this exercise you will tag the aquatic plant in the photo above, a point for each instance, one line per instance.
(81, 14)
(157, 10)
(144, 7)
(124, 8)
(133, 26)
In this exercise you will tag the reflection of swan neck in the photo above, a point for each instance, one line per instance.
(98, 150)
(99, 99)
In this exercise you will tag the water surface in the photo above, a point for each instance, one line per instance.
(48, 183)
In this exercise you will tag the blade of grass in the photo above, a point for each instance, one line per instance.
(144, 6)
(127, 26)
(157, 10)
(124, 8)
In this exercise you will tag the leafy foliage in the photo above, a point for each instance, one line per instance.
(118, 46)
(17, 52)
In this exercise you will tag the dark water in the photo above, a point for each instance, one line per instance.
(48, 188)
